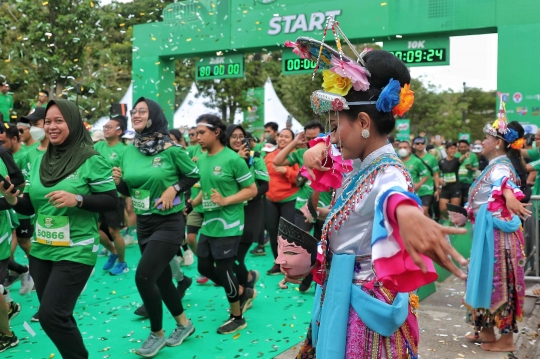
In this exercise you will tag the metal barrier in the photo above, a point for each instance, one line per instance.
(531, 232)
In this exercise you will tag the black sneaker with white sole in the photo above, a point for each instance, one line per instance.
(142, 311)
(13, 310)
(35, 318)
(183, 286)
(7, 341)
(232, 325)
(246, 299)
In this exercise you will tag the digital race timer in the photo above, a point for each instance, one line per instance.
(222, 67)
(417, 56)
(292, 64)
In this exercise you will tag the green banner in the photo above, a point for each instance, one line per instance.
(464, 136)
(254, 116)
(403, 130)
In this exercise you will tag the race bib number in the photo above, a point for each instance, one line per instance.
(53, 230)
(141, 200)
(207, 203)
(463, 172)
(449, 177)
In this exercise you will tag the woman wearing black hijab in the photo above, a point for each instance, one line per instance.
(69, 186)
(155, 173)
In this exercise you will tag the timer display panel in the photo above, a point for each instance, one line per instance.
(292, 64)
(222, 67)
(428, 51)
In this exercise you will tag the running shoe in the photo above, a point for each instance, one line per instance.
(35, 317)
(179, 334)
(202, 279)
(188, 258)
(11, 279)
(119, 268)
(151, 346)
(258, 251)
(7, 341)
(275, 270)
(27, 283)
(246, 299)
(254, 278)
(13, 310)
(141, 311)
(110, 262)
(232, 325)
(129, 240)
(306, 283)
(183, 285)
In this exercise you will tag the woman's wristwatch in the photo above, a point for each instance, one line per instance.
(79, 199)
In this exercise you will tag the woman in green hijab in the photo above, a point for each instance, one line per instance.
(70, 184)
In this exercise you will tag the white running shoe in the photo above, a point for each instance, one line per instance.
(129, 240)
(188, 257)
(27, 283)
(180, 260)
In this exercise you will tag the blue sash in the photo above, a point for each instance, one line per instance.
(480, 276)
(330, 337)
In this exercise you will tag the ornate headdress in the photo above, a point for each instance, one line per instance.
(341, 73)
(500, 128)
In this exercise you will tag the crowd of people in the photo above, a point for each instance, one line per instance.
(373, 204)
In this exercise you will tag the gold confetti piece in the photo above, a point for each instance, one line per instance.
(461, 355)
(188, 39)
(6, 60)
(159, 62)
(113, 292)
(236, 336)
(45, 4)
(244, 12)
(383, 4)
(91, 4)
(153, 39)
(142, 13)
(51, 356)
(122, 24)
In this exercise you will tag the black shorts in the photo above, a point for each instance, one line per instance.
(449, 192)
(3, 270)
(218, 248)
(25, 229)
(426, 200)
(114, 219)
(194, 222)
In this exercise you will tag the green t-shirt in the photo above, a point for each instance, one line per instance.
(304, 192)
(32, 154)
(112, 154)
(418, 170)
(195, 151)
(258, 169)
(429, 186)
(5, 223)
(69, 234)
(467, 176)
(227, 173)
(534, 155)
(6, 105)
(33, 145)
(21, 160)
(147, 177)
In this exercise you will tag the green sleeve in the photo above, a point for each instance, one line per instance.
(432, 162)
(98, 174)
(261, 172)
(535, 165)
(534, 154)
(241, 172)
(184, 164)
(474, 161)
(296, 157)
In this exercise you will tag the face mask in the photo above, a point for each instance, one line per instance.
(37, 133)
(268, 137)
(403, 152)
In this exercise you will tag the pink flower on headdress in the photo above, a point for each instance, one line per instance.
(337, 105)
(325, 180)
(353, 71)
(297, 49)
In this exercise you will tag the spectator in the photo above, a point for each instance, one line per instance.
(43, 98)
(6, 101)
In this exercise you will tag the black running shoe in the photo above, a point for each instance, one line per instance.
(246, 299)
(11, 279)
(35, 318)
(258, 251)
(142, 311)
(183, 286)
(7, 341)
(232, 325)
(306, 283)
(275, 270)
(254, 278)
(14, 310)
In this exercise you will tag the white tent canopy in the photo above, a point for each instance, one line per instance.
(128, 100)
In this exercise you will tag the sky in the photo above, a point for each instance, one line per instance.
(473, 60)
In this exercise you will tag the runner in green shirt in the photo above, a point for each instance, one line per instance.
(469, 165)
(156, 172)
(226, 183)
(432, 184)
(6, 101)
(419, 173)
(110, 223)
(39, 142)
(43, 98)
(66, 192)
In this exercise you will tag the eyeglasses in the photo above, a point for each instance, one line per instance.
(141, 111)
(110, 127)
(237, 137)
(419, 143)
(21, 131)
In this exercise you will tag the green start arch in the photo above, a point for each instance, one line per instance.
(204, 28)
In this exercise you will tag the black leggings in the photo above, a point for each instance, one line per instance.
(58, 285)
(273, 211)
(16, 267)
(239, 266)
(253, 229)
(300, 221)
(220, 271)
(154, 281)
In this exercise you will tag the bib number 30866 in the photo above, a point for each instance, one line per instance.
(53, 230)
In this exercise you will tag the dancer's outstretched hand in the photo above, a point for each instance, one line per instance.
(423, 235)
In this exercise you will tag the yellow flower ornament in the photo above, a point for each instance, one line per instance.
(334, 83)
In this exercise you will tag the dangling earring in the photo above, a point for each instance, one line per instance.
(365, 133)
